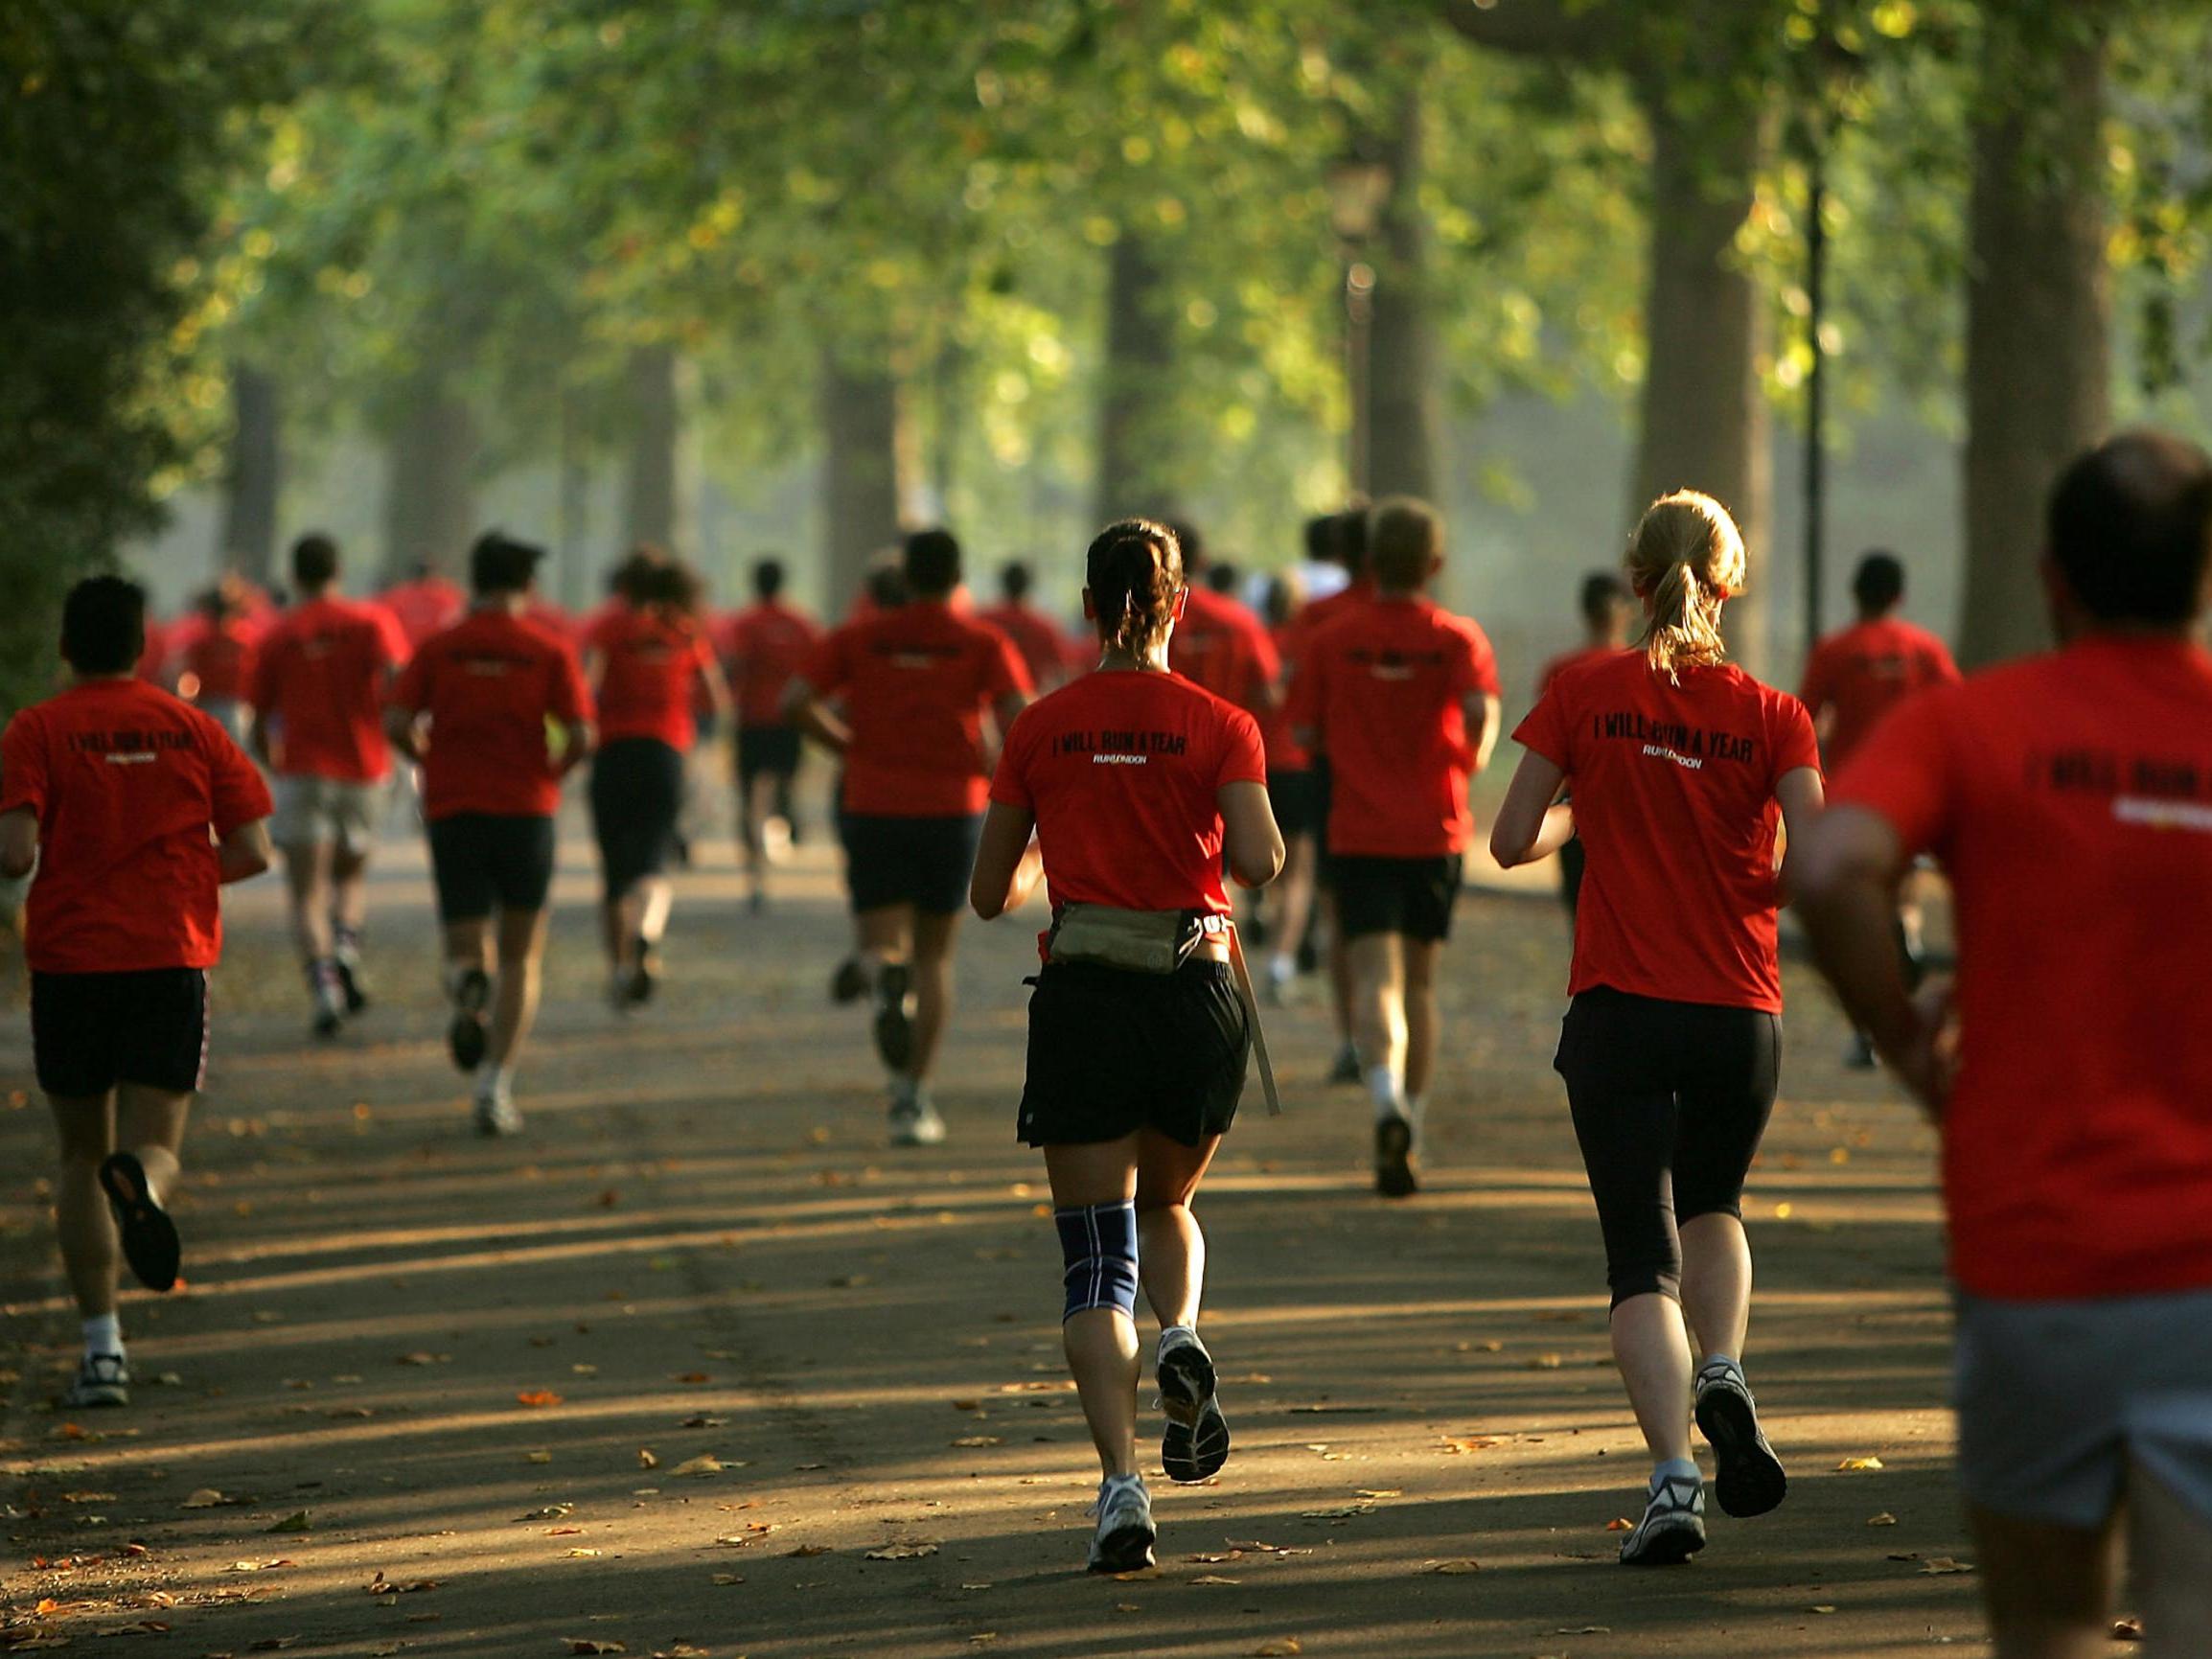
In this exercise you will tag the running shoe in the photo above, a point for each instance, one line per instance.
(850, 982)
(1196, 1441)
(1125, 1537)
(149, 1236)
(1346, 1068)
(895, 1015)
(1859, 1053)
(1673, 1529)
(496, 1115)
(646, 978)
(1282, 971)
(1394, 1158)
(914, 1121)
(103, 1379)
(329, 1010)
(466, 1038)
(348, 962)
(1748, 1478)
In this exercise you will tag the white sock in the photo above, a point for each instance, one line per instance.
(1166, 1331)
(102, 1334)
(1675, 1468)
(1382, 1084)
(494, 1080)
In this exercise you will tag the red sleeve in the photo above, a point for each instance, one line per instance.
(261, 688)
(1794, 743)
(1303, 704)
(829, 664)
(413, 689)
(1544, 730)
(1902, 773)
(1816, 691)
(1943, 668)
(1004, 670)
(1478, 668)
(23, 779)
(392, 647)
(1243, 756)
(703, 653)
(238, 794)
(1266, 660)
(1010, 782)
(571, 695)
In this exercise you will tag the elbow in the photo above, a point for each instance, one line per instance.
(1257, 873)
(984, 905)
(1509, 851)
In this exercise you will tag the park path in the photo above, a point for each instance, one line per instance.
(700, 1365)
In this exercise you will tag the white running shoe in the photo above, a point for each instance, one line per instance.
(914, 1121)
(103, 1379)
(1673, 1529)
(1125, 1536)
(495, 1113)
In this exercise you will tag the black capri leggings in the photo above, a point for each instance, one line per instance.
(636, 798)
(1669, 1101)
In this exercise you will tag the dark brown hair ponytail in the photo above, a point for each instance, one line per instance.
(1135, 573)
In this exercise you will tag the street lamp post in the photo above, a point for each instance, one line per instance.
(1357, 190)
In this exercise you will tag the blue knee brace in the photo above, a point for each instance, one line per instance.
(1098, 1242)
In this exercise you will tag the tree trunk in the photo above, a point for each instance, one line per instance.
(1404, 415)
(649, 481)
(572, 506)
(1139, 468)
(429, 486)
(253, 477)
(859, 417)
(2039, 373)
(1704, 419)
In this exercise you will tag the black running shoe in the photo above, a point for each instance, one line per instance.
(467, 1039)
(894, 1018)
(1748, 1478)
(1673, 1529)
(1394, 1158)
(1345, 1068)
(149, 1236)
(850, 982)
(349, 986)
(1195, 1443)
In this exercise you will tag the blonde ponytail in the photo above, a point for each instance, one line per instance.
(1686, 559)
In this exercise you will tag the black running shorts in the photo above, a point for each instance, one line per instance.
(1112, 1052)
(637, 795)
(91, 1032)
(766, 752)
(1294, 796)
(1409, 896)
(486, 862)
(922, 862)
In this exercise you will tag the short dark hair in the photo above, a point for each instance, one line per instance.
(932, 562)
(1351, 540)
(2131, 525)
(886, 586)
(1879, 581)
(1192, 543)
(768, 578)
(498, 564)
(1223, 578)
(1320, 538)
(1407, 538)
(1601, 591)
(634, 573)
(315, 560)
(104, 625)
(1014, 581)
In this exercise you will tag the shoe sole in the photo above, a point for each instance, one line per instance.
(1394, 1150)
(894, 1030)
(1124, 1550)
(149, 1236)
(467, 1041)
(1749, 1479)
(96, 1398)
(1195, 1443)
(1667, 1547)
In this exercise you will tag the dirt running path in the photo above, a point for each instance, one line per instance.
(675, 1371)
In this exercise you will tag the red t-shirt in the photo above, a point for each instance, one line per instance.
(319, 681)
(1221, 646)
(1124, 773)
(1674, 788)
(424, 606)
(650, 664)
(915, 683)
(1044, 652)
(126, 783)
(765, 645)
(1284, 752)
(489, 683)
(214, 660)
(1864, 671)
(2069, 799)
(1567, 659)
(1385, 684)
(155, 657)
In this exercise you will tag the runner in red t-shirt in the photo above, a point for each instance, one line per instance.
(495, 710)
(1219, 645)
(1402, 699)
(213, 655)
(763, 647)
(1291, 790)
(645, 656)
(2069, 798)
(425, 604)
(1605, 606)
(1136, 784)
(1043, 647)
(134, 809)
(1854, 676)
(320, 674)
(916, 684)
(1682, 766)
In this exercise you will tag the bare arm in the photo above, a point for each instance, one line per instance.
(1249, 837)
(1802, 795)
(1534, 822)
(403, 726)
(1007, 862)
(1486, 717)
(807, 711)
(18, 842)
(717, 690)
(243, 852)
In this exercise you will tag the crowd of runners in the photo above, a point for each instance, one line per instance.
(1317, 748)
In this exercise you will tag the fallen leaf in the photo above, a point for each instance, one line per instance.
(263, 1566)
(380, 1585)
(1945, 1564)
(580, 1554)
(681, 1651)
(1884, 1519)
(550, 1512)
(1380, 1492)
(705, 1464)
(419, 1358)
(1619, 1524)
(1135, 1574)
(1821, 1608)
(646, 1459)
(537, 1457)
(1345, 1513)
(295, 1522)
(1452, 1569)
(2127, 1629)
(694, 1376)
(804, 1551)
(1852, 1465)
(728, 1578)
(205, 1498)
(592, 1644)
(1477, 1443)
(1282, 1647)
(564, 1531)
(1545, 1362)
(537, 1398)
(970, 1441)
(1214, 1579)
(702, 1422)
(902, 1551)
